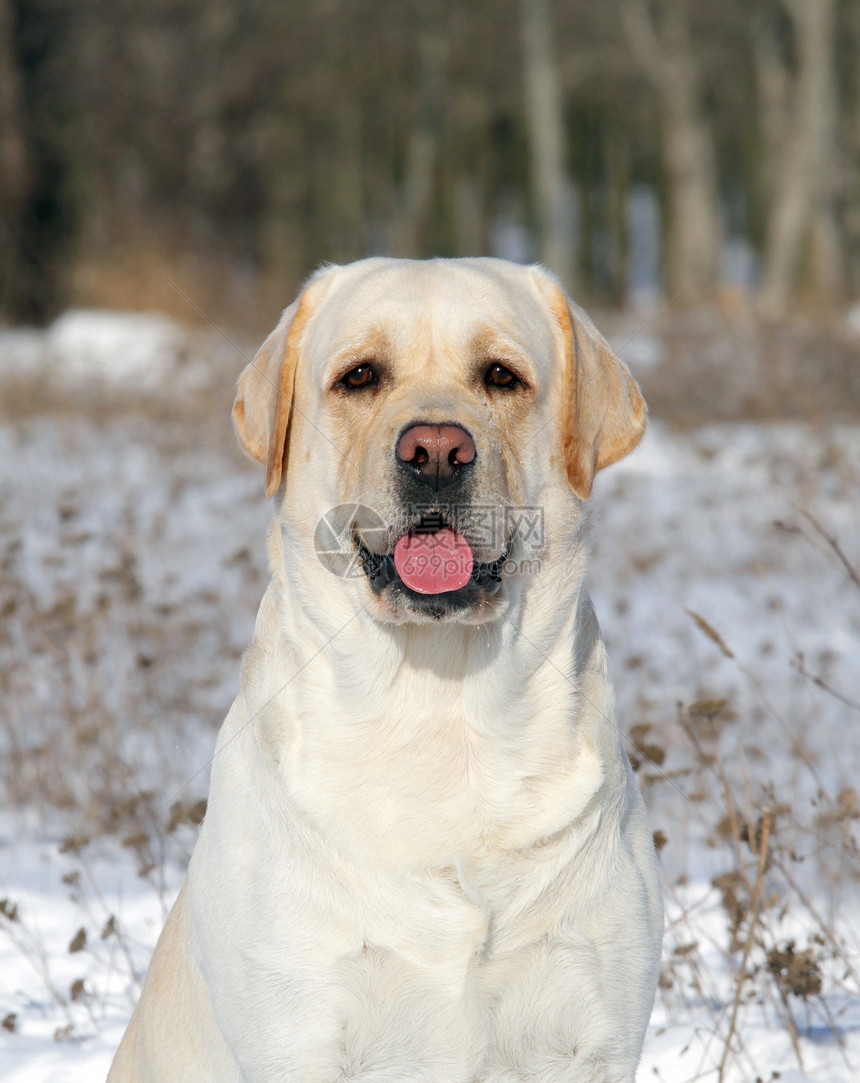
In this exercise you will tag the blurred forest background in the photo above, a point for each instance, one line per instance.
(638, 147)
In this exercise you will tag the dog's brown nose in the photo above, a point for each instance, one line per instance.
(435, 454)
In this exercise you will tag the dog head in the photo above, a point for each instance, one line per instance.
(440, 417)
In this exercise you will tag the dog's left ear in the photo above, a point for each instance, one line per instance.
(264, 395)
(604, 415)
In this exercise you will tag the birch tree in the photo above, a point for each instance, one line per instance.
(660, 39)
(552, 191)
(799, 115)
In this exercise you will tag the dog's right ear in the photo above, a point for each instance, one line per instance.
(264, 395)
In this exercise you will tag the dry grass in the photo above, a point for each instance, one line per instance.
(152, 275)
(727, 364)
(785, 950)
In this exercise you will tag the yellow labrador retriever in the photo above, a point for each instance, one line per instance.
(424, 856)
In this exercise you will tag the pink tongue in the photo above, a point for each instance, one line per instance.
(434, 563)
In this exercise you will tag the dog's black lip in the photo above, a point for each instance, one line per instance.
(379, 568)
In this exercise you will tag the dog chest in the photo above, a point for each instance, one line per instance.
(432, 788)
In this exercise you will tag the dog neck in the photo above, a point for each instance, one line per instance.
(502, 730)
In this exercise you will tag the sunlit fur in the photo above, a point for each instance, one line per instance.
(424, 856)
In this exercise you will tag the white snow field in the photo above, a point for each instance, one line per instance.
(131, 565)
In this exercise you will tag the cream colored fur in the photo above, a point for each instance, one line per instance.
(424, 857)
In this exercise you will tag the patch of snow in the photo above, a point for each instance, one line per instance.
(641, 351)
(644, 278)
(69, 1008)
(91, 348)
(510, 237)
(136, 349)
(851, 321)
(22, 352)
(740, 263)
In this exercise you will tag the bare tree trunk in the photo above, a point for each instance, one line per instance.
(469, 215)
(36, 211)
(348, 239)
(773, 86)
(806, 154)
(662, 45)
(285, 237)
(14, 171)
(412, 227)
(849, 131)
(554, 197)
(828, 257)
(618, 185)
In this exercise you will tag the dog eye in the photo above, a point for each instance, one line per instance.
(499, 375)
(363, 375)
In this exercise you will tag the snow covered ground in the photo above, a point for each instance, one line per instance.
(131, 565)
